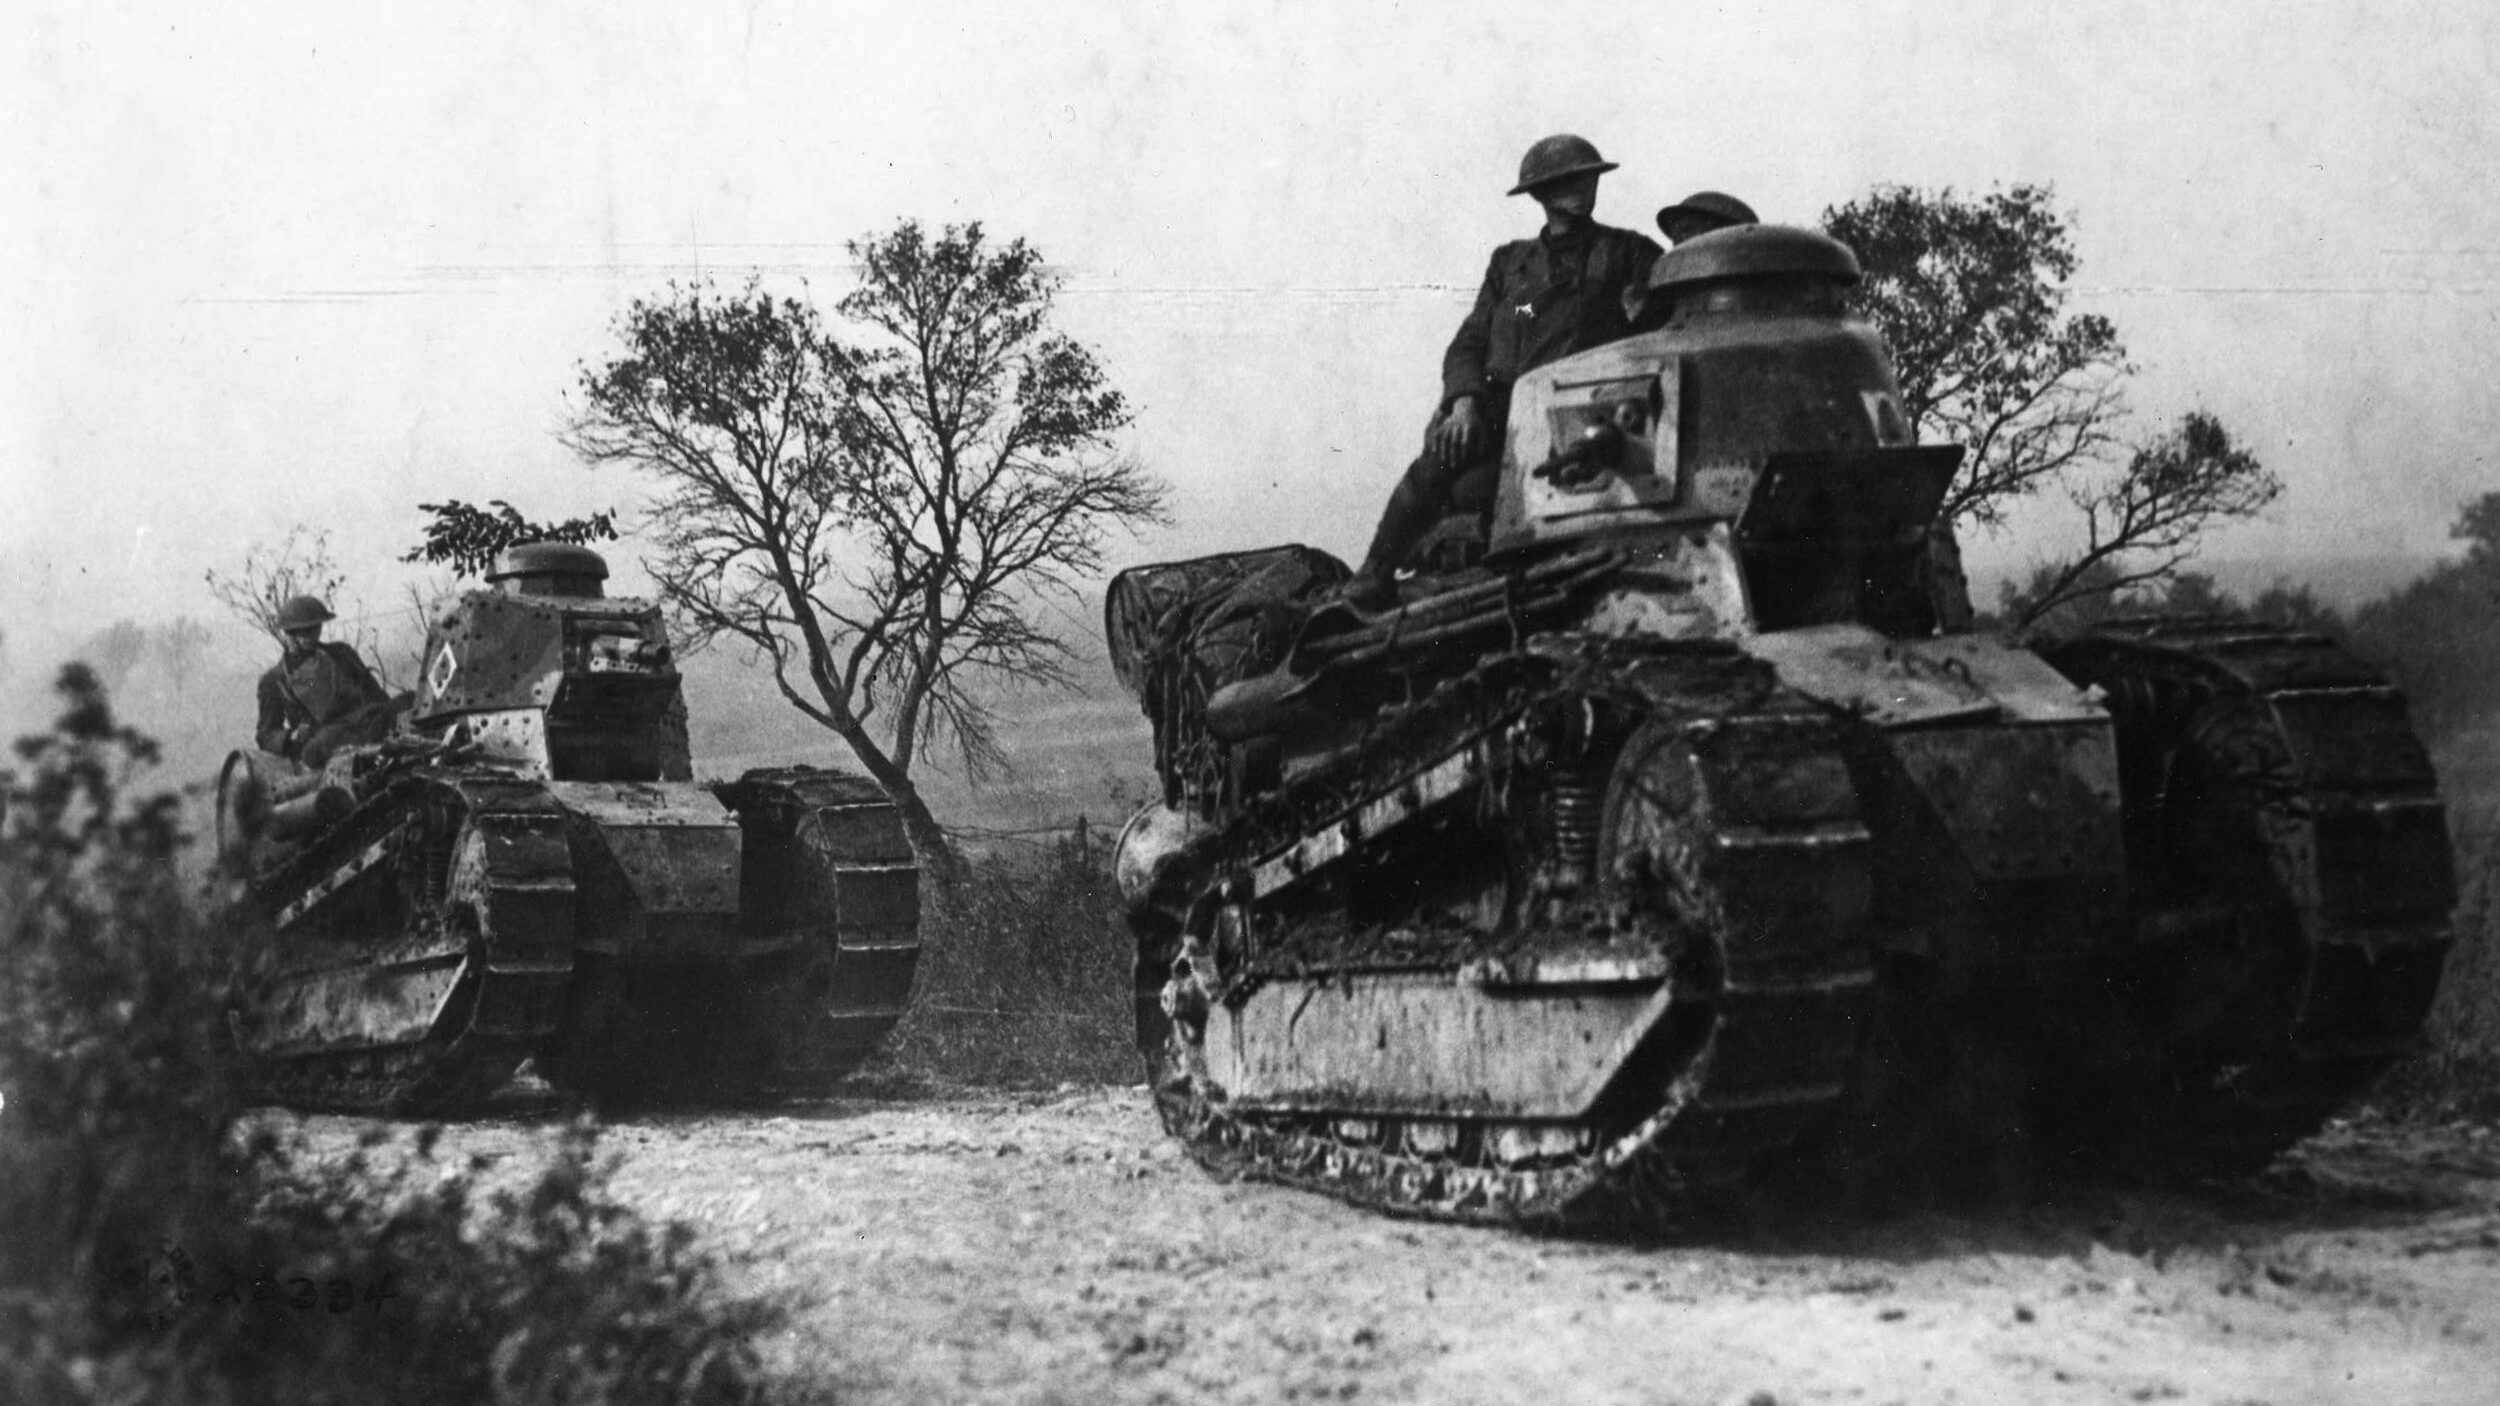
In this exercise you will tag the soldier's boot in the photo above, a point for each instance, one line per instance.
(1410, 514)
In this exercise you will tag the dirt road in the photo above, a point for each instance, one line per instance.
(1056, 1248)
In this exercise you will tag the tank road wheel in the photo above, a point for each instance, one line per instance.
(2288, 862)
(1730, 856)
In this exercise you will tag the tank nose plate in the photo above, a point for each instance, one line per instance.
(657, 867)
(1425, 1043)
(1885, 681)
(358, 1008)
(2022, 802)
(1896, 683)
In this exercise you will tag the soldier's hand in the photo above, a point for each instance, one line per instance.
(1454, 439)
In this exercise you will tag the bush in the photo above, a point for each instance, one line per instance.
(156, 1244)
(1024, 975)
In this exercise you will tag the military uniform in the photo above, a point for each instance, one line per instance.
(305, 700)
(1542, 300)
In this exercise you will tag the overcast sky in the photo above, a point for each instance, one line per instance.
(320, 263)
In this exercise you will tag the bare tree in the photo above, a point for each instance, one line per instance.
(876, 510)
(297, 564)
(2141, 524)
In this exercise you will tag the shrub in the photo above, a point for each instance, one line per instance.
(2457, 1071)
(158, 1244)
(1024, 974)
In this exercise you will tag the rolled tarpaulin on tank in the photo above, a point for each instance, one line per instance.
(1211, 609)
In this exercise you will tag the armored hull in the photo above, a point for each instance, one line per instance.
(526, 872)
(1690, 831)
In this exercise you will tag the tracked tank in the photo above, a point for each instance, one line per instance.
(526, 870)
(1679, 825)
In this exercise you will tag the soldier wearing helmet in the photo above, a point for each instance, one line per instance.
(1542, 299)
(1701, 212)
(319, 696)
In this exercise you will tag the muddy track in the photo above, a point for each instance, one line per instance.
(1059, 1248)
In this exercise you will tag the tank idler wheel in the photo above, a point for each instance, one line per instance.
(2286, 844)
(828, 872)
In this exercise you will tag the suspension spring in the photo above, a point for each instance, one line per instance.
(1573, 805)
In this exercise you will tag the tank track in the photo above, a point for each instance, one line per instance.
(851, 889)
(1764, 865)
(485, 886)
(2293, 880)
(829, 939)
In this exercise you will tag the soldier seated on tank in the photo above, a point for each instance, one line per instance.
(1542, 299)
(319, 696)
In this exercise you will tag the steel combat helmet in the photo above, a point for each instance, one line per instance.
(302, 613)
(1701, 212)
(1556, 157)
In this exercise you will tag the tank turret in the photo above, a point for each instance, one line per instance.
(1750, 353)
(549, 569)
(543, 671)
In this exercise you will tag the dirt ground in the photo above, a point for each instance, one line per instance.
(1056, 1248)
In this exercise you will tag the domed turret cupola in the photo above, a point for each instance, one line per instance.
(1750, 269)
(549, 569)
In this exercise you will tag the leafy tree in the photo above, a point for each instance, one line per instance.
(2440, 635)
(877, 507)
(1971, 294)
(467, 538)
(2296, 606)
(181, 644)
(116, 651)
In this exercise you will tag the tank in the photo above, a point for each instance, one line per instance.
(525, 870)
(1676, 827)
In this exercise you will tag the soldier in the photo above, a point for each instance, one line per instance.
(318, 696)
(1543, 298)
(1701, 212)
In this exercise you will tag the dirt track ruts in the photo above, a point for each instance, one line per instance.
(1057, 1248)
